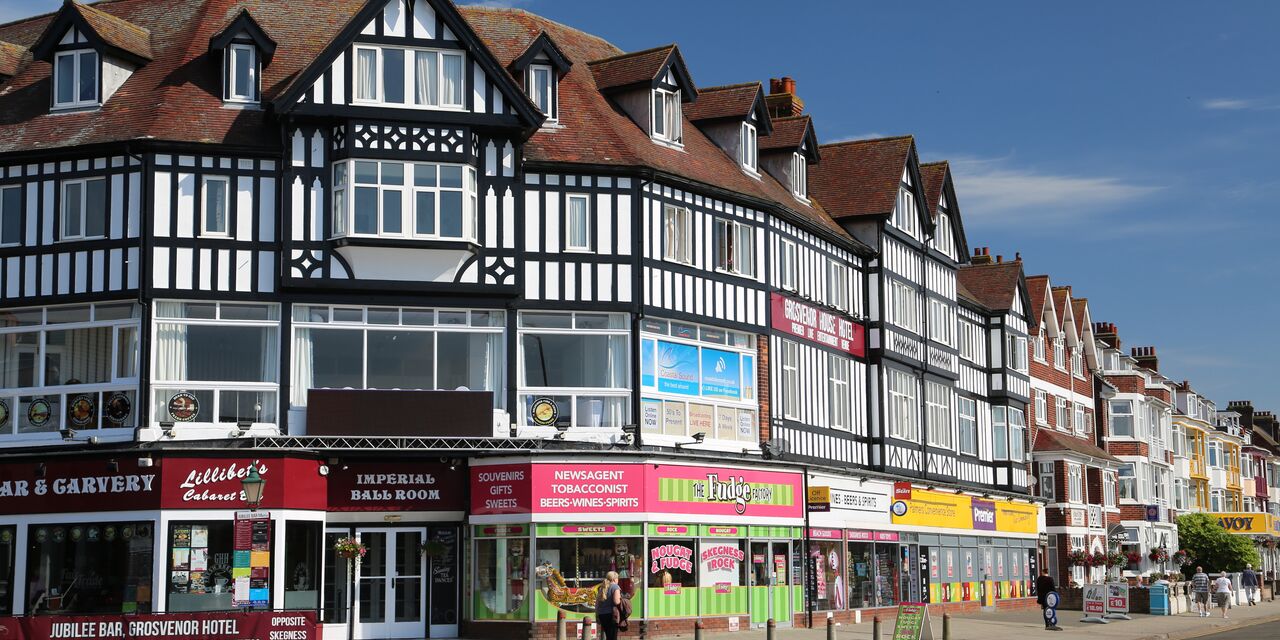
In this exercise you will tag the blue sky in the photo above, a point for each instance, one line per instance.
(1125, 148)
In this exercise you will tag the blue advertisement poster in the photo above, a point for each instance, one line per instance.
(646, 363)
(721, 374)
(677, 368)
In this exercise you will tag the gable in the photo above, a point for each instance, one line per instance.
(77, 24)
(432, 26)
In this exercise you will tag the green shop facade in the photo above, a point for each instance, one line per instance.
(688, 541)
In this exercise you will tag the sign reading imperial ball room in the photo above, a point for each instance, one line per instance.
(634, 488)
(402, 486)
(823, 327)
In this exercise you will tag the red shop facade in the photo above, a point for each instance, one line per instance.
(136, 544)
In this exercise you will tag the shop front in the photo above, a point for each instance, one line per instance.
(688, 542)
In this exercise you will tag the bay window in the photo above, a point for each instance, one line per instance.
(698, 379)
(397, 348)
(215, 362)
(904, 406)
(937, 399)
(1075, 483)
(667, 116)
(69, 367)
(1108, 489)
(1121, 418)
(417, 200)
(1008, 433)
(395, 76)
(75, 79)
(1127, 480)
(84, 208)
(735, 247)
(1016, 353)
(967, 421)
(574, 369)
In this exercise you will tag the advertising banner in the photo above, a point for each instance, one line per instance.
(721, 374)
(1095, 599)
(1117, 597)
(1245, 523)
(214, 483)
(577, 488)
(912, 622)
(396, 486)
(230, 625)
(932, 508)
(724, 491)
(827, 328)
(676, 367)
(501, 489)
(1012, 517)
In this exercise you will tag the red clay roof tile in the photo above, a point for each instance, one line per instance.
(116, 32)
(860, 178)
(788, 134)
(12, 58)
(626, 69)
(1050, 440)
(728, 101)
(993, 285)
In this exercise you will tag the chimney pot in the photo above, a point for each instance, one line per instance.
(1017, 255)
(788, 84)
(999, 258)
(775, 85)
(977, 251)
(986, 251)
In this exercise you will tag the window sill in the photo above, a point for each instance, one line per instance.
(678, 146)
(80, 239)
(405, 243)
(687, 263)
(242, 105)
(74, 108)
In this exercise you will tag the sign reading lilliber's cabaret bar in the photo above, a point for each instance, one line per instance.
(820, 326)
(257, 625)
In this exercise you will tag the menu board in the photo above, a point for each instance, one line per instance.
(251, 560)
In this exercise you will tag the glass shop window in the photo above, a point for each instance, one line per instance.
(94, 568)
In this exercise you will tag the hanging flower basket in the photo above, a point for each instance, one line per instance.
(1182, 557)
(1078, 558)
(1098, 559)
(434, 549)
(350, 548)
(1158, 554)
(1117, 559)
(1133, 557)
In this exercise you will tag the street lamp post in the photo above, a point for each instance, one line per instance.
(253, 486)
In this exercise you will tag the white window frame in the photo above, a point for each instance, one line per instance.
(904, 306)
(839, 397)
(1075, 483)
(83, 211)
(967, 425)
(6, 213)
(1048, 490)
(1112, 415)
(1108, 489)
(677, 234)
(205, 185)
(671, 117)
(942, 322)
(1062, 414)
(75, 80)
(1039, 345)
(1059, 354)
(570, 223)
(938, 405)
(905, 212)
(1017, 353)
(790, 380)
(524, 390)
(1077, 362)
(749, 149)
(538, 90)
(903, 392)
(800, 176)
(838, 285)
(787, 264)
(1080, 421)
(344, 201)
(732, 255)
(1042, 407)
(410, 79)
(248, 95)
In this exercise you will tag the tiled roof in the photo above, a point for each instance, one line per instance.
(860, 178)
(626, 69)
(12, 57)
(728, 101)
(177, 96)
(788, 134)
(1080, 309)
(993, 285)
(595, 132)
(934, 176)
(116, 32)
(1037, 288)
(1050, 440)
(1061, 297)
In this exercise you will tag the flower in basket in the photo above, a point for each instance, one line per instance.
(350, 548)
(1099, 559)
(1078, 557)
(1117, 559)
(1133, 557)
(1181, 557)
(1158, 554)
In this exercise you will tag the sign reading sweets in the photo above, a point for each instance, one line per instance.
(823, 327)
(912, 622)
(255, 625)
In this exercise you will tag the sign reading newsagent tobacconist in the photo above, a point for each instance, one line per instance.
(686, 540)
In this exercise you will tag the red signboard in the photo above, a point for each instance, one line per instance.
(820, 326)
(214, 483)
(902, 491)
(501, 489)
(68, 486)
(255, 625)
(396, 486)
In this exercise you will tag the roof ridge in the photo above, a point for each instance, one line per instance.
(935, 163)
(726, 87)
(110, 16)
(803, 116)
(628, 54)
(493, 9)
(844, 143)
(53, 13)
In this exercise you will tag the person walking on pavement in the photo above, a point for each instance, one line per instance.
(1200, 590)
(610, 599)
(1044, 586)
(1249, 580)
(1222, 593)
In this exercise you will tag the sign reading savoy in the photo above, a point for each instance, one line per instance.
(816, 325)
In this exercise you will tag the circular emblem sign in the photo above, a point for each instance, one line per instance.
(118, 409)
(39, 412)
(184, 407)
(4, 413)
(544, 412)
(81, 412)
(899, 508)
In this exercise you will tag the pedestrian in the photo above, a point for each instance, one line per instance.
(1249, 580)
(610, 598)
(1200, 590)
(1044, 586)
(1222, 593)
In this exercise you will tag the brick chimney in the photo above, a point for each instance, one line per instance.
(1146, 357)
(1245, 409)
(981, 255)
(782, 100)
(1107, 333)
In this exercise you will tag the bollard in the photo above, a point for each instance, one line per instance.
(697, 629)
(875, 627)
(586, 628)
(562, 625)
(946, 626)
(644, 630)
(831, 627)
(769, 628)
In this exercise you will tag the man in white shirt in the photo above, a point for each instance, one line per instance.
(1222, 593)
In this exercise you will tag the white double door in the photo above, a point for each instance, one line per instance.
(391, 584)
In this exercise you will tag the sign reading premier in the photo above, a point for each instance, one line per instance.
(816, 325)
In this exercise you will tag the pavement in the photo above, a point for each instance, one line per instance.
(1027, 625)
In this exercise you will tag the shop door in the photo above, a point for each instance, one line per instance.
(391, 594)
(771, 582)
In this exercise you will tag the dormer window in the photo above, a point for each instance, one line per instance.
(667, 116)
(542, 90)
(799, 175)
(240, 73)
(75, 78)
(749, 152)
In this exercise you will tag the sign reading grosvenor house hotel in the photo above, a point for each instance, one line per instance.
(803, 320)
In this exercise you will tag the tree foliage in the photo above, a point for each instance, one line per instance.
(1212, 547)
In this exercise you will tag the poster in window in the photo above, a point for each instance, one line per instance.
(676, 368)
(671, 565)
(721, 374)
(746, 425)
(182, 536)
(673, 421)
(182, 558)
(199, 535)
(180, 580)
(646, 363)
(719, 564)
(651, 415)
(199, 559)
(702, 419)
(726, 423)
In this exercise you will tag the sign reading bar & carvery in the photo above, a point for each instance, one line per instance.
(827, 328)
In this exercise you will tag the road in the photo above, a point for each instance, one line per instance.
(1254, 632)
